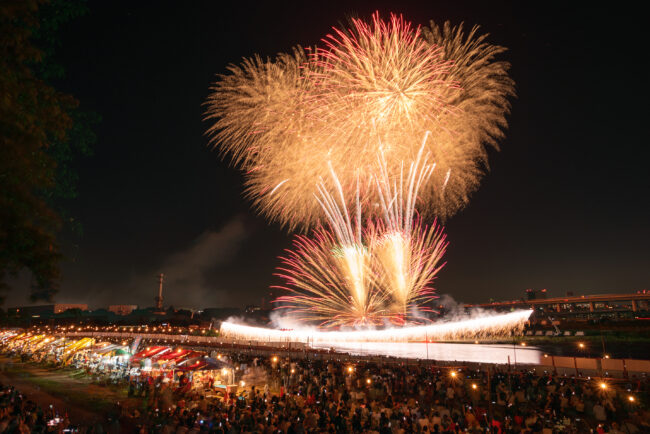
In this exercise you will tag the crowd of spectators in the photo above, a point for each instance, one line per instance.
(18, 414)
(318, 396)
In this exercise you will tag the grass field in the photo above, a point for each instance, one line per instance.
(70, 391)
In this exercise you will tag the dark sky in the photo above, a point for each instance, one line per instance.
(564, 207)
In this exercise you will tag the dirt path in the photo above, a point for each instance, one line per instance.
(84, 402)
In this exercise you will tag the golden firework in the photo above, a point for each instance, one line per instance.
(376, 86)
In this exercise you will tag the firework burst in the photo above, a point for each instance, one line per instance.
(346, 276)
(330, 284)
(376, 85)
(328, 138)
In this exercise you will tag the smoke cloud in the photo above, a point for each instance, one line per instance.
(191, 274)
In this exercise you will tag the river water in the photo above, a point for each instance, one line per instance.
(480, 353)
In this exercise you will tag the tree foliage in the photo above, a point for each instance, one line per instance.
(38, 125)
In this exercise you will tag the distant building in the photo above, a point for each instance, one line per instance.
(536, 294)
(47, 309)
(59, 308)
(122, 309)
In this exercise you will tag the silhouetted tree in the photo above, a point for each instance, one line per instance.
(40, 130)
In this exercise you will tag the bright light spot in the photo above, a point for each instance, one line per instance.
(493, 326)
(368, 381)
(631, 398)
(603, 386)
(474, 386)
(453, 374)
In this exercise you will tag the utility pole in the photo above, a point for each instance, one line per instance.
(159, 299)
(426, 338)
(489, 385)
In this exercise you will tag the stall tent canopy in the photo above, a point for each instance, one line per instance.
(148, 353)
(202, 364)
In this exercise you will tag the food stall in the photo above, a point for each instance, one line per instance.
(210, 375)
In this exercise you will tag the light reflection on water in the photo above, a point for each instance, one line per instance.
(481, 353)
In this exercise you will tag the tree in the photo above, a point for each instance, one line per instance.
(37, 123)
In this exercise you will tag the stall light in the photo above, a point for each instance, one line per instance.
(474, 386)
(368, 380)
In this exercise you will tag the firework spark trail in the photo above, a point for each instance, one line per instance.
(375, 86)
(329, 277)
(406, 265)
(483, 327)
(378, 274)
(407, 252)
(324, 283)
(385, 74)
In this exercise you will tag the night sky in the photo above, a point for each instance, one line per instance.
(564, 207)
